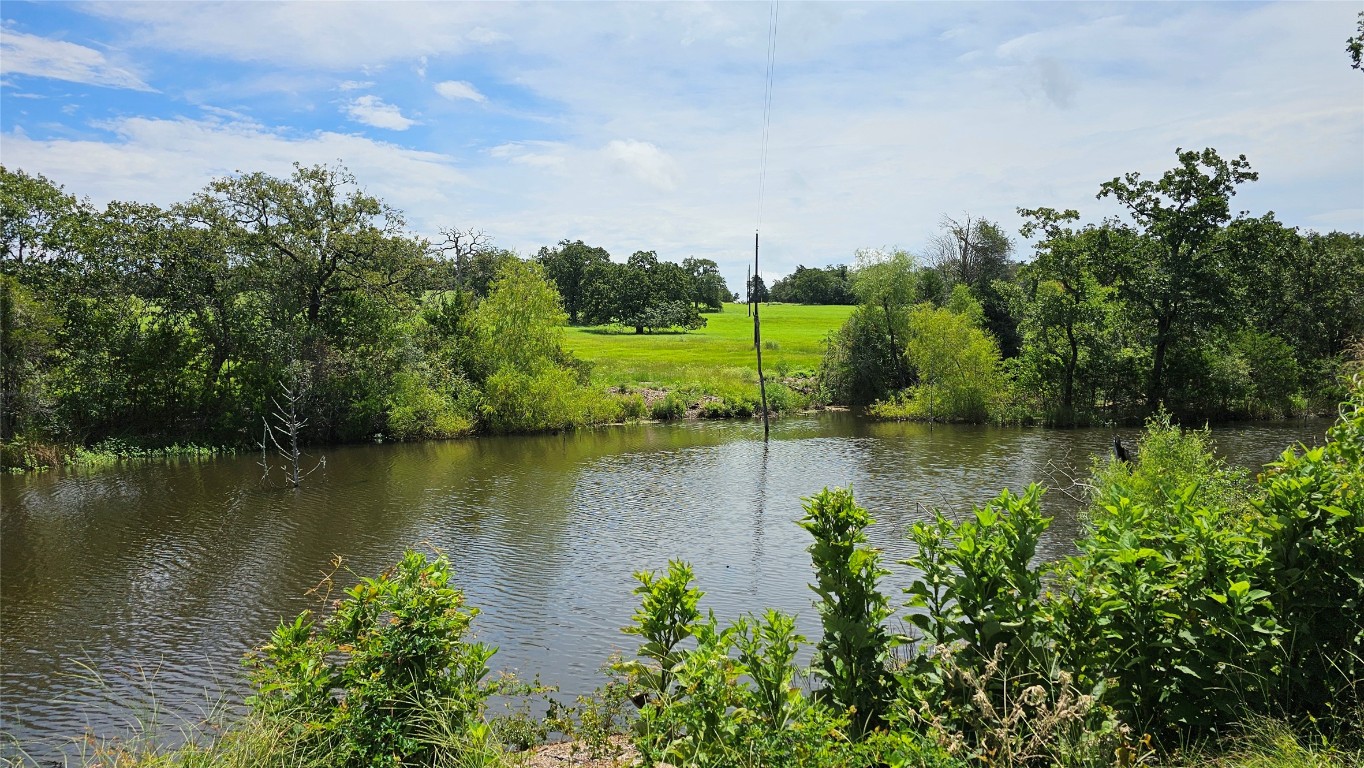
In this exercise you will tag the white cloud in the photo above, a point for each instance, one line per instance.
(355, 85)
(372, 110)
(536, 154)
(646, 162)
(334, 36)
(884, 115)
(167, 161)
(460, 89)
(24, 54)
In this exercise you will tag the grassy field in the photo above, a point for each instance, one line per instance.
(712, 359)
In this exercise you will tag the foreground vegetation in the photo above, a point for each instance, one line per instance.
(1206, 619)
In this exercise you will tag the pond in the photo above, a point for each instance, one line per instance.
(135, 590)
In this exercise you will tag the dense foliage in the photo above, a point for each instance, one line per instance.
(384, 677)
(807, 285)
(1197, 601)
(1178, 304)
(186, 324)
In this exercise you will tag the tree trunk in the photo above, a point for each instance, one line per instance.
(639, 329)
(1155, 391)
(896, 354)
(1068, 383)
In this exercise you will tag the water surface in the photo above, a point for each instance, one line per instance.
(141, 587)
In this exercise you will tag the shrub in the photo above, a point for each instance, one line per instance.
(731, 699)
(672, 406)
(417, 410)
(632, 406)
(1313, 505)
(852, 656)
(386, 679)
(548, 400)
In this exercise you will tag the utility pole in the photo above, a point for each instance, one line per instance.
(758, 343)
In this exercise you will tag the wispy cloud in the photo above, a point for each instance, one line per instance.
(25, 54)
(372, 110)
(646, 162)
(167, 161)
(884, 115)
(456, 90)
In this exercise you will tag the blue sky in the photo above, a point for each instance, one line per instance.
(638, 125)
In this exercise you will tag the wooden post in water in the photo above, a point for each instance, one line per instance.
(758, 342)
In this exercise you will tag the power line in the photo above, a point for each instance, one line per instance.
(767, 108)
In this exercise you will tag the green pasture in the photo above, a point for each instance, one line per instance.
(793, 342)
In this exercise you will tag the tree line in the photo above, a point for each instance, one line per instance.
(154, 325)
(1174, 304)
(183, 323)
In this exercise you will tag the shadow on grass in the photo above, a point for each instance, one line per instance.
(607, 330)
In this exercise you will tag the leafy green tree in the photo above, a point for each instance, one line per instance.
(972, 251)
(859, 365)
(568, 264)
(517, 333)
(886, 281)
(644, 293)
(757, 290)
(957, 364)
(1060, 322)
(1169, 267)
(520, 323)
(316, 238)
(830, 285)
(708, 286)
(27, 339)
(975, 252)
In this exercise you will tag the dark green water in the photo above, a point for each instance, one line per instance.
(123, 590)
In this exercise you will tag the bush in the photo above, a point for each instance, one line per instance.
(417, 410)
(731, 699)
(673, 406)
(386, 679)
(548, 400)
(852, 655)
(1313, 506)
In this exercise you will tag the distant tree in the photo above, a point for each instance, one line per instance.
(708, 287)
(757, 290)
(568, 265)
(971, 251)
(975, 252)
(1168, 264)
(644, 293)
(468, 259)
(830, 285)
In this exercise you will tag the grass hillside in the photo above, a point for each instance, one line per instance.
(714, 358)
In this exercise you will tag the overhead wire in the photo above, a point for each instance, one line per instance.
(767, 108)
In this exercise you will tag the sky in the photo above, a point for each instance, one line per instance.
(639, 126)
